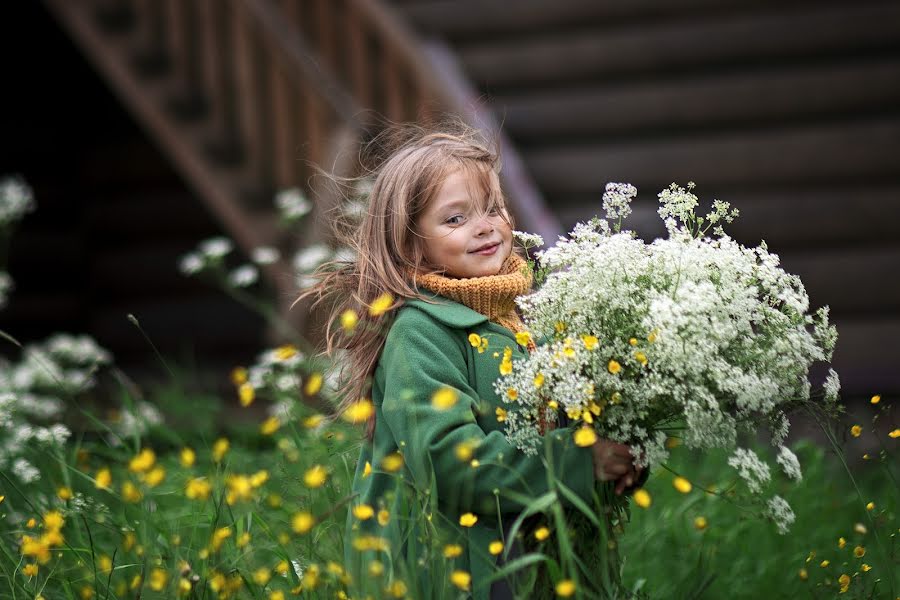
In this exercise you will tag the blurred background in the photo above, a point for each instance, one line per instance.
(144, 126)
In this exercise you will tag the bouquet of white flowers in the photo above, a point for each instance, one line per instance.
(693, 333)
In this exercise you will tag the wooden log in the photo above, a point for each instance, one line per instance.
(669, 47)
(826, 153)
(741, 98)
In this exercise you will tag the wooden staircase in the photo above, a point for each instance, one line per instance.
(790, 110)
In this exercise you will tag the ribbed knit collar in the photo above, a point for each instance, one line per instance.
(493, 296)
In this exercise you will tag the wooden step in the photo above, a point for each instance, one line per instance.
(787, 218)
(747, 98)
(828, 153)
(695, 44)
(461, 20)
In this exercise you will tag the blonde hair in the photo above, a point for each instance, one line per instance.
(409, 164)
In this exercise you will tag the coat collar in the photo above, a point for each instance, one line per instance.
(448, 312)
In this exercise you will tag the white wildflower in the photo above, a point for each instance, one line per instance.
(25, 471)
(781, 513)
(216, 248)
(751, 469)
(832, 386)
(528, 240)
(617, 200)
(790, 464)
(307, 259)
(265, 255)
(16, 199)
(243, 276)
(292, 204)
(191, 263)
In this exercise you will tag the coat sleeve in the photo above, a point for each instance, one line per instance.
(421, 356)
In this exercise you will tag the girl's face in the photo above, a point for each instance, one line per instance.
(459, 234)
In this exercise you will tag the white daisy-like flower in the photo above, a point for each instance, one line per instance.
(243, 276)
(215, 248)
(191, 263)
(265, 255)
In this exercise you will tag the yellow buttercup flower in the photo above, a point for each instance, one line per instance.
(614, 367)
(541, 534)
(642, 498)
(381, 304)
(30, 570)
(103, 479)
(632, 341)
(363, 512)
(474, 340)
(158, 579)
(870, 506)
(262, 575)
(198, 489)
(468, 520)
(286, 352)
(384, 517)
(315, 476)
(392, 462)
(238, 376)
(246, 394)
(522, 338)
(349, 319)
(590, 341)
(143, 462)
(894, 434)
(270, 426)
(464, 450)
(130, 493)
(700, 523)
(313, 421)
(495, 547)
(803, 574)
(875, 399)
(444, 398)
(359, 411)
(855, 431)
(859, 552)
(220, 447)
(641, 358)
(512, 394)
(313, 384)
(824, 563)
(397, 589)
(243, 540)
(682, 485)
(188, 457)
(501, 414)
(302, 522)
(367, 470)
(865, 568)
(585, 436)
(565, 588)
(538, 380)
(461, 579)
(844, 581)
(841, 542)
(155, 476)
(452, 550)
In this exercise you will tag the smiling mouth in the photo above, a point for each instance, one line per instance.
(488, 249)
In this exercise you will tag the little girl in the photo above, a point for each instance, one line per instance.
(438, 238)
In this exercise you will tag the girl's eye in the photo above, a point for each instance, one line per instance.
(455, 220)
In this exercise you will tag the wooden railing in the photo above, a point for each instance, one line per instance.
(260, 87)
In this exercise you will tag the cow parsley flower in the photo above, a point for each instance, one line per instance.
(750, 468)
(216, 248)
(778, 509)
(16, 199)
(243, 276)
(790, 464)
(292, 204)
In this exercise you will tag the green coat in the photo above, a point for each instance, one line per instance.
(428, 348)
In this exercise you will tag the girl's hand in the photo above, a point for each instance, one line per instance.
(613, 461)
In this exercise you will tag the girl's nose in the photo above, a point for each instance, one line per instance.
(484, 225)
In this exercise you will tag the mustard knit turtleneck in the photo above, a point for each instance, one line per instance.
(493, 296)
